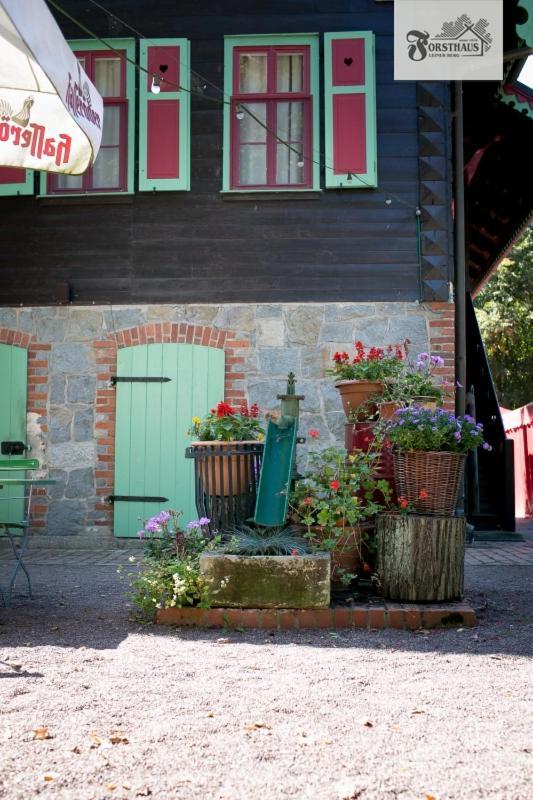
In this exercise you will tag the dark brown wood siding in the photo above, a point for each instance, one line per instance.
(198, 246)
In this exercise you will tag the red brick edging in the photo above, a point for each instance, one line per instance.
(381, 615)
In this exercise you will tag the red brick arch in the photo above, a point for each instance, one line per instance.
(37, 398)
(106, 361)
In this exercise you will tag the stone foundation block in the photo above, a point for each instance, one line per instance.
(268, 581)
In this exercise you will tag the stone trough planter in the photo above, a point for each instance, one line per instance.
(268, 581)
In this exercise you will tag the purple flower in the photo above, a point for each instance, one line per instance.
(152, 526)
(198, 523)
(468, 418)
(204, 521)
(486, 446)
(457, 436)
(162, 518)
(459, 385)
(437, 361)
(141, 534)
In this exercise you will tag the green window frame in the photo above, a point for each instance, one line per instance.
(91, 45)
(23, 187)
(310, 40)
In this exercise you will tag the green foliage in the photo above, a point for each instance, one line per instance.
(247, 541)
(169, 573)
(504, 309)
(339, 492)
(227, 424)
(434, 430)
(372, 364)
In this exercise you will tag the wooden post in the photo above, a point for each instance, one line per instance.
(420, 559)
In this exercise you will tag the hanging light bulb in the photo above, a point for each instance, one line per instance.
(300, 162)
(388, 201)
(349, 177)
(155, 88)
(239, 113)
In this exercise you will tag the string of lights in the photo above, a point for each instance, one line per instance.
(240, 110)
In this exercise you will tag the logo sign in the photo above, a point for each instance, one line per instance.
(446, 40)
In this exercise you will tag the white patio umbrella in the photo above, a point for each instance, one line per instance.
(51, 115)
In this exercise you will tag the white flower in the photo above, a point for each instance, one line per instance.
(132, 559)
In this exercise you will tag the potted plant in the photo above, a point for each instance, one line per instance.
(429, 451)
(226, 461)
(414, 384)
(169, 573)
(361, 377)
(334, 501)
(259, 567)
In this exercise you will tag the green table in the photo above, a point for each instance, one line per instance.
(17, 532)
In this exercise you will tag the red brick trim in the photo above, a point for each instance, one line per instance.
(106, 359)
(37, 398)
(442, 342)
(378, 615)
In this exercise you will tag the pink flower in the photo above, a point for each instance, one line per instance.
(313, 433)
(294, 552)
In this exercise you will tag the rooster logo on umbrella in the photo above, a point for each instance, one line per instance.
(21, 118)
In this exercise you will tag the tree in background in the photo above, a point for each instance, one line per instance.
(504, 309)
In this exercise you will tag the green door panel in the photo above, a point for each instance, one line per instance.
(152, 420)
(13, 377)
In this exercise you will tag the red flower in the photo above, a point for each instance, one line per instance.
(243, 410)
(308, 501)
(341, 358)
(294, 552)
(366, 567)
(254, 410)
(224, 410)
(335, 485)
(313, 433)
(424, 494)
(403, 502)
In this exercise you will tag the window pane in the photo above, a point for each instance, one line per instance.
(69, 182)
(287, 169)
(252, 73)
(249, 129)
(111, 129)
(289, 72)
(290, 121)
(106, 170)
(107, 76)
(252, 165)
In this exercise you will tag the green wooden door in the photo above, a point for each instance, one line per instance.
(152, 420)
(13, 376)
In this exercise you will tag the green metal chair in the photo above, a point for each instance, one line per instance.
(17, 531)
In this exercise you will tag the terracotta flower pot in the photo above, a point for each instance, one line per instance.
(388, 409)
(425, 401)
(355, 394)
(224, 475)
(345, 556)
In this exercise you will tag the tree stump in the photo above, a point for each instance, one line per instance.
(420, 559)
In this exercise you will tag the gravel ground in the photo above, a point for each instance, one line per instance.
(175, 714)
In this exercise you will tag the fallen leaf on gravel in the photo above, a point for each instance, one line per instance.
(77, 750)
(210, 714)
(459, 630)
(223, 640)
(16, 667)
(49, 776)
(253, 726)
(117, 737)
(126, 786)
(55, 628)
(41, 733)
(418, 711)
(111, 786)
(143, 792)
(367, 723)
(7, 734)
(430, 797)
(95, 739)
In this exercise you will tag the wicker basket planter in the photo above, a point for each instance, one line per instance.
(437, 474)
(356, 393)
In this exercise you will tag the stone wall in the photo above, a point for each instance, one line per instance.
(73, 354)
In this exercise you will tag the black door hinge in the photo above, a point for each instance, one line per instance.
(134, 498)
(120, 379)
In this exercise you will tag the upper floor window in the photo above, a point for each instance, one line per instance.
(271, 126)
(109, 172)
